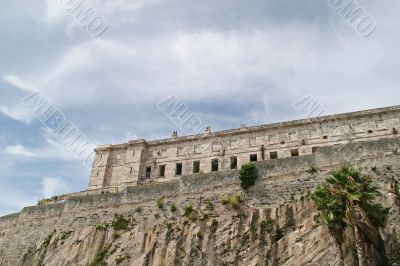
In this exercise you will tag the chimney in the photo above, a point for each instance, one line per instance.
(175, 134)
(208, 129)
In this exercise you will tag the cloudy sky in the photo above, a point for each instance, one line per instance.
(232, 62)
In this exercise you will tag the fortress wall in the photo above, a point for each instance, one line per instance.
(280, 179)
(127, 163)
(11, 218)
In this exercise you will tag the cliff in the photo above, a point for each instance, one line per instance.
(185, 222)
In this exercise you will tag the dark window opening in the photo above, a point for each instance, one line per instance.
(233, 162)
(214, 165)
(253, 157)
(162, 171)
(196, 167)
(370, 131)
(131, 170)
(294, 152)
(283, 142)
(315, 149)
(178, 169)
(148, 171)
(273, 155)
(324, 137)
(97, 173)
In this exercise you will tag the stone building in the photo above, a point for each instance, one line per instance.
(140, 161)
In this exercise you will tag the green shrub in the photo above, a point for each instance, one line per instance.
(224, 201)
(205, 217)
(374, 169)
(234, 201)
(116, 235)
(267, 224)
(248, 175)
(120, 223)
(101, 227)
(200, 235)
(139, 209)
(189, 209)
(173, 207)
(48, 239)
(99, 260)
(119, 260)
(49, 200)
(160, 202)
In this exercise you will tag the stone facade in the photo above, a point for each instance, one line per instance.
(141, 161)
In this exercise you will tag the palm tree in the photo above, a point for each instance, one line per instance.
(348, 198)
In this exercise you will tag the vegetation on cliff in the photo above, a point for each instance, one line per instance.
(348, 198)
(248, 175)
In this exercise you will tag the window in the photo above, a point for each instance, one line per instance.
(148, 171)
(161, 171)
(294, 152)
(273, 155)
(196, 167)
(214, 165)
(178, 169)
(315, 149)
(370, 131)
(234, 162)
(253, 157)
(324, 137)
(130, 172)
(283, 142)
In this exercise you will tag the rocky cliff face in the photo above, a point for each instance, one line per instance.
(273, 224)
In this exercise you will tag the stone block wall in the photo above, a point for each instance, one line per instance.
(142, 161)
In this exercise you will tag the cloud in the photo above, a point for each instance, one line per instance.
(20, 151)
(53, 186)
(16, 112)
(12, 90)
(232, 62)
(53, 151)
